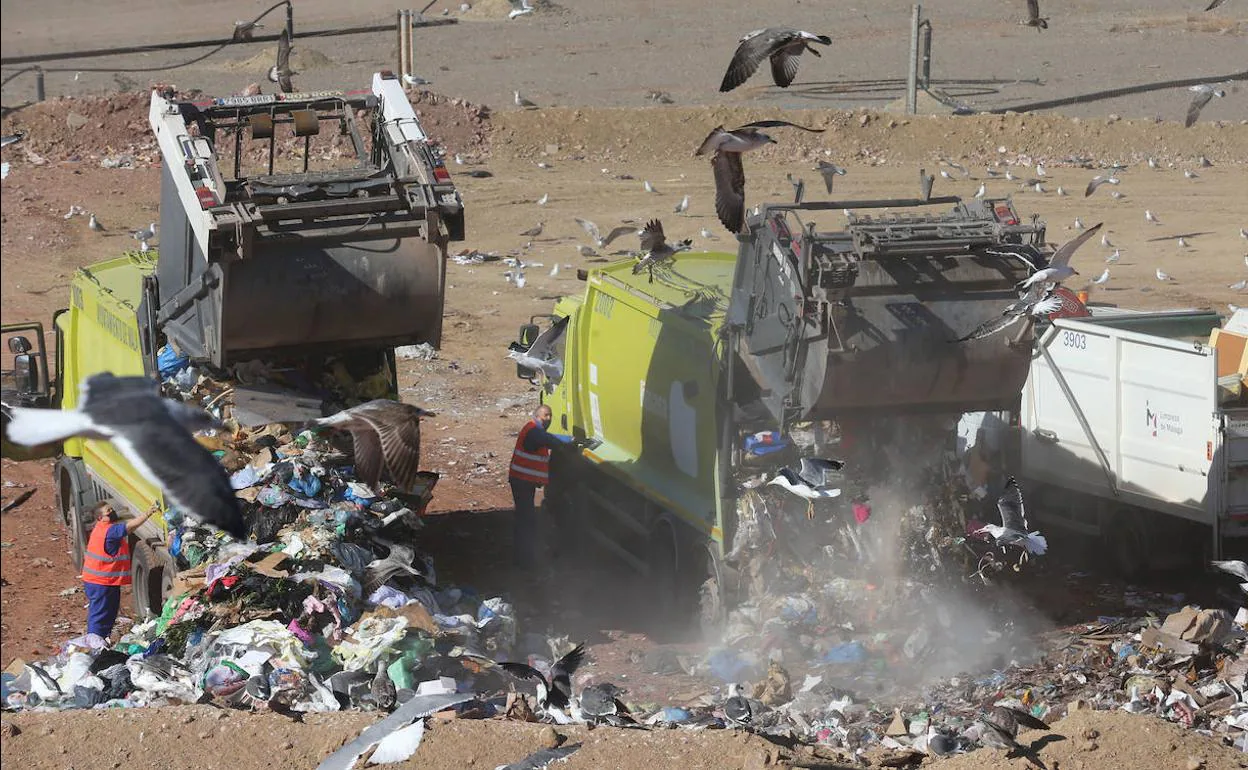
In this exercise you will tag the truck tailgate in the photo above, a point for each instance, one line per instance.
(1106, 409)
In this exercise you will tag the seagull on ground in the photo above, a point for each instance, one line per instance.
(601, 703)
(1102, 278)
(781, 45)
(740, 710)
(154, 434)
(542, 200)
(829, 171)
(726, 148)
(1105, 241)
(982, 191)
(519, 8)
(521, 101)
(1162, 275)
(645, 185)
(1189, 174)
(143, 235)
(94, 224)
(810, 481)
(683, 206)
(1023, 309)
(1149, 216)
(1113, 258)
(1061, 191)
(1013, 527)
(533, 231)
(281, 72)
(1202, 94)
(656, 249)
(553, 694)
(385, 435)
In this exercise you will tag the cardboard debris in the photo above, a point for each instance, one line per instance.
(269, 566)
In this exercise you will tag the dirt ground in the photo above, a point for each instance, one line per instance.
(607, 138)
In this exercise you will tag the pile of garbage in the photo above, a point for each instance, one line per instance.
(328, 604)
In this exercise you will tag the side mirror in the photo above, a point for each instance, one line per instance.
(19, 345)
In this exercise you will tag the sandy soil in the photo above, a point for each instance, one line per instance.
(575, 55)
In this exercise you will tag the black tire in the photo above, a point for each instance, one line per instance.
(75, 498)
(151, 579)
(665, 583)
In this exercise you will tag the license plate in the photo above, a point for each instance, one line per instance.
(246, 101)
(311, 96)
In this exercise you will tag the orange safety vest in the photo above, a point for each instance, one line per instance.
(533, 467)
(100, 568)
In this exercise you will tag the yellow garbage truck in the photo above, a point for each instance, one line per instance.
(263, 260)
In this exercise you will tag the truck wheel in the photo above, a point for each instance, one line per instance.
(665, 573)
(712, 608)
(74, 500)
(151, 580)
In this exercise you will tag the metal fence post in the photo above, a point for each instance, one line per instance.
(40, 91)
(926, 79)
(398, 28)
(912, 74)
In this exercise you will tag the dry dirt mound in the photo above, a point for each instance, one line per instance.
(202, 737)
(302, 59)
(661, 134)
(92, 128)
(493, 10)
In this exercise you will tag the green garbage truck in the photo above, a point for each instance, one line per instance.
(662, 377)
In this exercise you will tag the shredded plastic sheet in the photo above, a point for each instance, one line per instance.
(417, 708)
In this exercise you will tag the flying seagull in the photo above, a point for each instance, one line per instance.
(829, 171)
(1213, 5)
(153, 433)
(1013, 313)
(243, 31)
(592, 230)
(727, 147)
(1013, 527)
(385, 435)
(1203, 94)
(281, 72)
(556, 692)
(1058, 268)
(810, 482)
(1097, 181)
(1236, 568)
(519, 8)
(656, 248)
(1034, 19)
(782, 45)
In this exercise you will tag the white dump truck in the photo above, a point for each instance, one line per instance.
(1132, 428)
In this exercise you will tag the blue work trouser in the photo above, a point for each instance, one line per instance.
(524, 536)
(102, 605)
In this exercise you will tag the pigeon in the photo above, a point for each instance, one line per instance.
(555, 692)
(807, 483)
(94, 224)
(519, 8)
(592, 229)
(1013, 527)
(1102, 278)
(1097, 181)
(532, 232)
(1162, 275)
(656, 248)
(829, 171)
(982, 191)
(601, 702)
(799, 188)
(1012, 314)
(244, 30)
(926, 181)
(522, 102)
(1149, 216)
(281, 72)
(683, 206)
(782, 45)
(153, 433)
(728, 147)
(1204, 93)
(1034, 19)
(385, 435)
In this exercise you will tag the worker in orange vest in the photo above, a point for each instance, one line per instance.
(530, 469)
(106, 566)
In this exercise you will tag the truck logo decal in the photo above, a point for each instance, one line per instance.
(116, 327)
(1162, 421)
